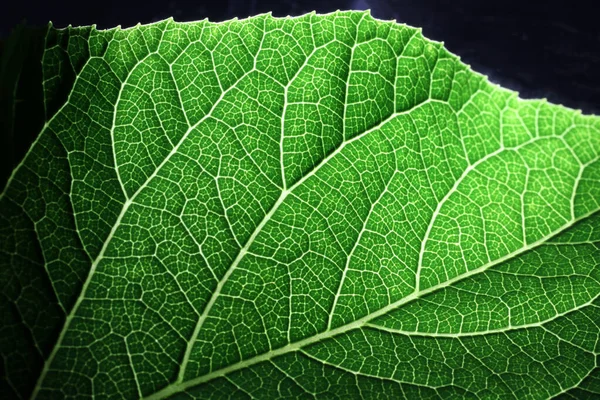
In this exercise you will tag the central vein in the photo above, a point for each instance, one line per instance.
(363, 322)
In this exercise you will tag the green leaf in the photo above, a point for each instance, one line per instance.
(326, 206)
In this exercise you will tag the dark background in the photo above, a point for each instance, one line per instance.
(541, 49)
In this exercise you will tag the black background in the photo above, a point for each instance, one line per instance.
(541, 49)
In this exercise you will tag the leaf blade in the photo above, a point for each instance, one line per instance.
(219, 246)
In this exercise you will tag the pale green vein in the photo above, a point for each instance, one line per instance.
(357, 324)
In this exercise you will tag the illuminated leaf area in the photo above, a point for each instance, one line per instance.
(327, 206)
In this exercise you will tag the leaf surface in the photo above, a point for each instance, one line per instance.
(324, 206)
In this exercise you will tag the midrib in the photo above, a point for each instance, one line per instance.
(180, 386)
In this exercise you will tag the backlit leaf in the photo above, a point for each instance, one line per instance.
(325, 206)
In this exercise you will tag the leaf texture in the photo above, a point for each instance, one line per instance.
(327, 206)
